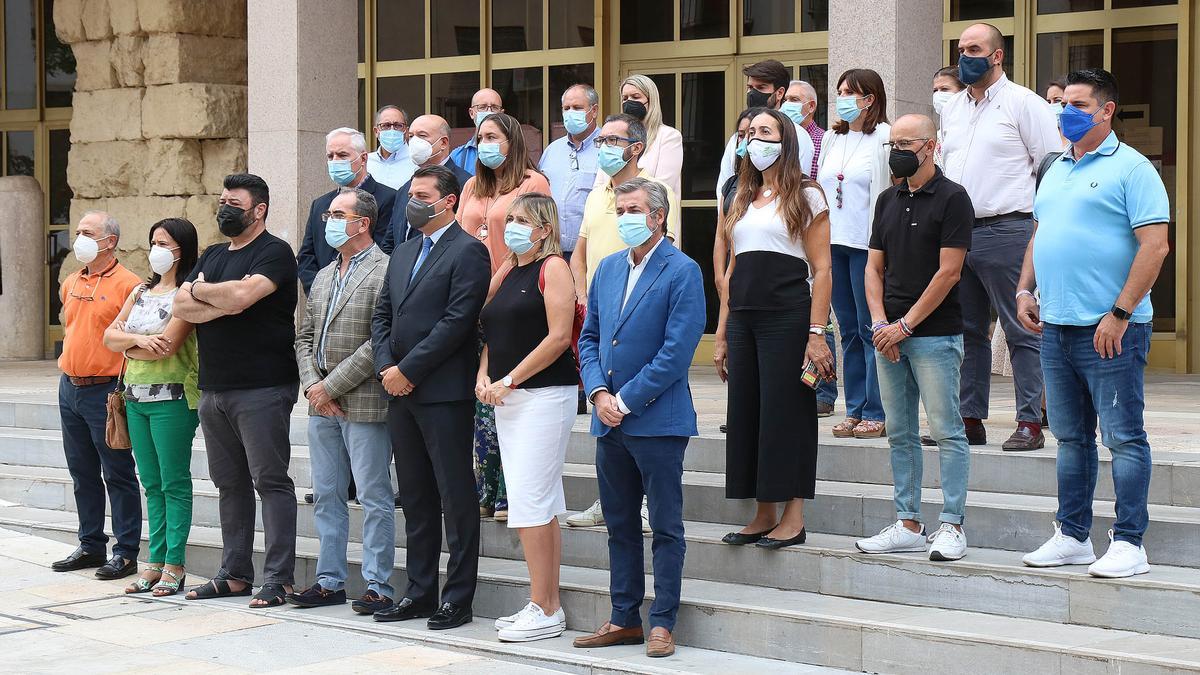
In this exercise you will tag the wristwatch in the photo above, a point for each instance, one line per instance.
(1121, 313)
(508, 382)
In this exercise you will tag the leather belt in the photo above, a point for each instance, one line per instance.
(91, 381)
(988, 221)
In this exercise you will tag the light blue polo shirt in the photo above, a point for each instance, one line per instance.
(1085, 244)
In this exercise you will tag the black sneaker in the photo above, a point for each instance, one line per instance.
(315, 596)
(370, 603)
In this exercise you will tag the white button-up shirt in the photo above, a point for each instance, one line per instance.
(394, 170)
(993, 146)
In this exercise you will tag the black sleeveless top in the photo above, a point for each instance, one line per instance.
(514, 324)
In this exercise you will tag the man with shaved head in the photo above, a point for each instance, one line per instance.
(920, 237)
(485, 102)
(428, 140)
(996, 133)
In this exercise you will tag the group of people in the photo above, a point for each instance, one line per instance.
(464, 304)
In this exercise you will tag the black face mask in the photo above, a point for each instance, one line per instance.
(757, 99)
(903, 163)
(635, 108)
(231, 220)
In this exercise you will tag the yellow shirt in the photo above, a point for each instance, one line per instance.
(600, 223)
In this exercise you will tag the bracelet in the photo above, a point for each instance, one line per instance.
(816, 329)
(1025, 292)
(904, 328)
(878, 324)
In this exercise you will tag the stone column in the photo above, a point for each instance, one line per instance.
(303, 68)
(23, 330)
(899, 39)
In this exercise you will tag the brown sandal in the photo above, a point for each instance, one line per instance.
(869, 429)
(846, 429)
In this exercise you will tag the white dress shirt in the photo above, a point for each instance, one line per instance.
(803, 141)
(394, 170)
(992, 147)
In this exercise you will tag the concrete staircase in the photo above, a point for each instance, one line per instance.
(745, 610)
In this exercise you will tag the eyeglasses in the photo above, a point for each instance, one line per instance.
(338, 215)
(392, 126)
(487, 107)
(86, 298)
(905, 143)
(612, 141)
(574, 160)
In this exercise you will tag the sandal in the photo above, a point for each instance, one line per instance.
(218, 588)
(846, 429)
(142, 584)
(869, 429)
(271, 595)
(171, 587)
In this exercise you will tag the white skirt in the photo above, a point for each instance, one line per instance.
(533, 427)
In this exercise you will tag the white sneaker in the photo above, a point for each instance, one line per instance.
(506, 621)
(592, 517)
(895, 538)
(1123, 559)
(949, 543)
(646, 517)
(1061, 550)
(533, 624)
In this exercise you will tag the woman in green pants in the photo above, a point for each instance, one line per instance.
(160, 401)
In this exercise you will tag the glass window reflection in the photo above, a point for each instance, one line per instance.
(516, 25)
(454, 28)
(700, 19)
(962, 10)
(20, 54)
(643, 21)
(522, 92)
(60, 191)
(704, 134)
(18, 153)
(399, 30)
(450, 96)
(59, 62)
(572, 23)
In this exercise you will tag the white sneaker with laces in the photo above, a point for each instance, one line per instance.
(895, 538)
(949, 543)
(533, 624)
(591, 517)
(506, 621)
(1123, 559)
(646, 516)
(1061, 549)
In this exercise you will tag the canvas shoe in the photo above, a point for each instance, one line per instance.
(1061, 549)
(506, 621)
(1123, 559)
(948, 543)
(591, 517)
(895, 538)
(533, 624)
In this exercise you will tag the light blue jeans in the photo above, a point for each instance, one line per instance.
(927, 373)
(338, 449)
(859, 380)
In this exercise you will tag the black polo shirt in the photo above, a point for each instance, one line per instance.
(911, 228)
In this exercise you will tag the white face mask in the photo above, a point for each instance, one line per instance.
(939, 100)
(161, 259)
(86, 249)
(763, 153)
(420, 150)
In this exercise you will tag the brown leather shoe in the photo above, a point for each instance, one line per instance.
(660, 644)
(1027, 437)
(976, 432)
(610, 635)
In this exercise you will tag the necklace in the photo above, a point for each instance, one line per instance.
(767, 192)
(841, 175)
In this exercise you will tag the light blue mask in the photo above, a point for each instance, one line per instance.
(847, 108)
(611, 159)
(633, 228)
(516, 237)
(794, 110)
(575, 121)
(741, 148)
(480, 116)
(340, 171)
(391, 140)
(335, 232)
(490, 155)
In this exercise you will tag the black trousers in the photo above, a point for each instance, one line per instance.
(771, 444)
(432, 445)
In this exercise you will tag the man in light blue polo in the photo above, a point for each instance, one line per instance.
(569, 163)
(1101, 237)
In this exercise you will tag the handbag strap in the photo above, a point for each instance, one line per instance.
(142, 288)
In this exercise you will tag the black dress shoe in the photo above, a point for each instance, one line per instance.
(309, 498)
(928, 441)
(116, 568)
(724, 428)
(404, 610)
(773, 544)
(739, 539)
(449, 615)
(976, 434)
(78, 560)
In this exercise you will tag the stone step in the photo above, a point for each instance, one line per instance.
(987, 580)
(770, 623)
(1175, 480)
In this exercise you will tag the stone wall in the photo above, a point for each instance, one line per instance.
(159, 111)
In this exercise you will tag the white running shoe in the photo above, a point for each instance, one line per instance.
(506, 621)
(1123, 559)
(592, 517)
(949, 543)
(895, 538)
(1061, 549)
(533, 624)
(646, 516)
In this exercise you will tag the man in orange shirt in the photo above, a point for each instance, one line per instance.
(91, 299)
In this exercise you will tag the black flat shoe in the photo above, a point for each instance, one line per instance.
(78, 560)
(404, 610)
(739, 539)
(316, 596)
(371, 603)
(775, 544)
(117, 568)
(449, 615)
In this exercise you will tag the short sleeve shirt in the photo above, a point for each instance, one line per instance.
(600, 223)
(253, 349)
(1087, 211)
(911, 229)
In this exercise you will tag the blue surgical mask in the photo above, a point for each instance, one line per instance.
(847, 108)
(633, 228)
(741, 148)
(480, 116)
(516, 237)
(340, 171)
(490, 155)
(575, 121)
(794, 110)
(391, 140)
(1075, 123)
(611, 159)
(335, 232)
(972, 68)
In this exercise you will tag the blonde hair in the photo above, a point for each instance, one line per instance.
(653, 105)
(540, 210)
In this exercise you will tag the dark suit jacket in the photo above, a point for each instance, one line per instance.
(399, 226)
(429, 327)
(315, 253)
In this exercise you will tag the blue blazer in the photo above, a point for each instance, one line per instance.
(643, 351)
(398, 230)
(315, 253)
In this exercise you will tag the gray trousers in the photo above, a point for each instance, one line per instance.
(246, 435)
(989, 279)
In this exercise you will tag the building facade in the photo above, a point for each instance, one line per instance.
(311, 65)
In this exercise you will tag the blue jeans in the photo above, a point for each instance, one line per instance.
(927, 373)
(338, 449)
(827, 390)
(94, 468)
(854, 318)
(627, 468)
(1081, 387)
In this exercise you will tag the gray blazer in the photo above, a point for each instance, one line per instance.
(351, 378)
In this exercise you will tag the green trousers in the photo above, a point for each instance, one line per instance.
(162, 434)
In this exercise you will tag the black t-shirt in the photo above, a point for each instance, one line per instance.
(911, 228)
(255, 348)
